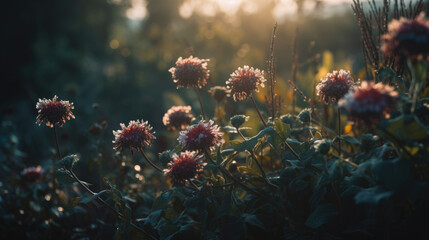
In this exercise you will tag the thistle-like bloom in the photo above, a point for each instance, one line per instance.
(200, 137)
(219, 93)
(187, 165)
(32, 174)
(178, 118)
(136, 136)
(190, 72)
(53, 111)
(408, 38)
(369, 102)
(244, 81)
(334, 86)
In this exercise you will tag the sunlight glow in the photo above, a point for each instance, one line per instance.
(138, 10)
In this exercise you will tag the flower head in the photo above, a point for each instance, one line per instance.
(136, 136)
(244, 81)
(408, 38)
(178, 118)
(32, 174)
(183, 167)
(335, 85)
(190, 72)
(200, 137)
(53, 111)
(219, 93)
(369, 102)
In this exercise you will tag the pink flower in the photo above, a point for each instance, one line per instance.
(136, 136)
(184, 167)
(244, 81)
(190, 72)
(178, 118)
(334, 86)
(201, 137)
(407, 37)
(32, 174)
(369, 102)
(53, 112)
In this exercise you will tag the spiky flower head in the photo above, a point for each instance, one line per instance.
(52, 111)
(369, 102)
(32, 174)
(200, 137)
(219, 93)
(178, 118)
(334, 86)
(187, 165)
(244, 81)
(136, 136)
(190, 72)
(407, 38)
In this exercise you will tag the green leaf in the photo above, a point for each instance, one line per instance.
(323, 214)
(281, 128)
(405, 127)
(373, 195)
(349, 139)
(250, 143)
(69, 161)
(93, 197)
(64, 177)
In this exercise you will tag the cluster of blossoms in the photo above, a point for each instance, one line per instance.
(201, 137)
(244, 81)
(369, 102)
(52, 111)
(407, 38)
(32, 174)
(178, 118)
(136, 136)
(335, 85)
(190, 72)
(219, 93)
(183, 167)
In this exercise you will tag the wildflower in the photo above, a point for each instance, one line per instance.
(190, 72)
(407, 37)
(184, 167)
(245, 80)
(369, 101)
(219, 93)
(53, 112)
(178, 118)
(32, 174)
(335, 85)
(136, 136)
(200, 137)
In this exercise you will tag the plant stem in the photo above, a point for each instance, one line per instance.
(120, 215)
(151, 163)
(241, 135)
(339, 130)
(193, 184)
(259, 165)
(54, 189)
(257, 110)
(56, 143)
(201, 103)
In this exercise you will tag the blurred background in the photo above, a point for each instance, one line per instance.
(111, 58)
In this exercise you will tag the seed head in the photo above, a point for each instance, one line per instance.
(32, 174)
(407, 38)
(187, 165)
(53, 112)
(178, 118)
(334, 86)
(238, 120)
(200, 137)
(136, 136)
(369, 102)
(190, 72)
(244, 81)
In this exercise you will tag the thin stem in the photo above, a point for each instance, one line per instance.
(120, 215)
(201, 103)
(339, 129)
(241, 135)
(257, 110)
(259, 165)
(193, 184)
(151, 163)
(56, 143)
